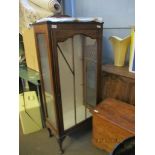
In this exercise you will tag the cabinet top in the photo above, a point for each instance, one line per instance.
(70, 23)
(70, 20)
(81, 22)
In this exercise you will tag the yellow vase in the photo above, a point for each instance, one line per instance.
(120, 49)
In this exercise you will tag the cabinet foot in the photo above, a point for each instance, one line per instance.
(50, 132)
(60, 142)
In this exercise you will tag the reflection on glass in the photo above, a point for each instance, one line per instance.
(91, 83)
(49, 94)
(90, 57)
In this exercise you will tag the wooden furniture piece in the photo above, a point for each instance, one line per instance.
(118, 83)
(69, 56)
(113, 121)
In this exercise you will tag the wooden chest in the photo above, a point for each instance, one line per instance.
(113, 121)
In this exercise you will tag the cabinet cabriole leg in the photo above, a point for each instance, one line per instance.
(60, 142)
(50, 132)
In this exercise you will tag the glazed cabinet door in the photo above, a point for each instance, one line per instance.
(77, 63)
(47, 78)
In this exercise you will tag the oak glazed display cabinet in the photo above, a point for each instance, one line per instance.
(69, 56)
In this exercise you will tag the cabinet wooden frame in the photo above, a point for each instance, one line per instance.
(59, 32)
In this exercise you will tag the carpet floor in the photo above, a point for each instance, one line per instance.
(39, 143)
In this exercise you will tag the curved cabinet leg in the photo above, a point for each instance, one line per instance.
(60, 142)
(50, 132)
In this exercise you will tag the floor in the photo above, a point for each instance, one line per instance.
(39, 143)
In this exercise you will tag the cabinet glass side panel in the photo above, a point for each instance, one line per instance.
(46, 75)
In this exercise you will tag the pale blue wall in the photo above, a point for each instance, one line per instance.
(118, 17)
(69, 7)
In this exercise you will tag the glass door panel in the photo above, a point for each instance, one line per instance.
(77, 70)
(46, 75)
(66, 82)
(79, 83)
